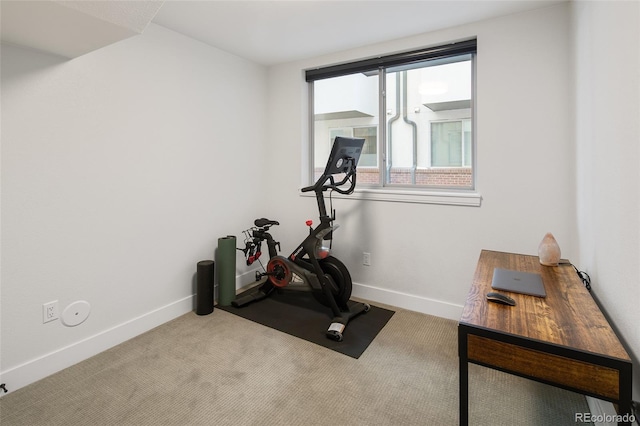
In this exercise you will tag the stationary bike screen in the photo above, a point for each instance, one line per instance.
(343, 149)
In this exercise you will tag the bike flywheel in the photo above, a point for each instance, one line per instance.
(279, 272)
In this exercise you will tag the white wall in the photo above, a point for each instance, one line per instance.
(606, 40)
(120, 170)
(115, 176)
(423, 256)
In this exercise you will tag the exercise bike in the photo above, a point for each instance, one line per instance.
(327, 277)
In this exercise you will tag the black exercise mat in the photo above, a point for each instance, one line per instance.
(298, 313)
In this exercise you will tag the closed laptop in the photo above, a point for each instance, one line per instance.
(518, 282)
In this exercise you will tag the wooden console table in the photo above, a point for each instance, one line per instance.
(563, 340)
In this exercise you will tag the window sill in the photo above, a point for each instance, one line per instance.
(450, 198)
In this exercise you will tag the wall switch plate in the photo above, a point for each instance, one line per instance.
(50, 311)
(366, 259)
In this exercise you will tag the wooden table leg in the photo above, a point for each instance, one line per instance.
(626, 412)
(625, 407)
(464, 378)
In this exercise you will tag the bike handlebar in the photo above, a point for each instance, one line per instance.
(320, 186)
(308, 188)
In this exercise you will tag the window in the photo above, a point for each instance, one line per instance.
(414, 110)
(451, 143)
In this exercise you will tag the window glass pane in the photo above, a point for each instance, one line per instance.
(466, 136)
(347, 106)
(446, 144)
(369, 156)
(428, 140)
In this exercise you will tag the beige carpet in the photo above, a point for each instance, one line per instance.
(221, 369)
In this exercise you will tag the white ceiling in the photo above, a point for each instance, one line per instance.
(264, 31)
(70, 28)
(272, 32)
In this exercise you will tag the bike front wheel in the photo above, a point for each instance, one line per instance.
(340, 276)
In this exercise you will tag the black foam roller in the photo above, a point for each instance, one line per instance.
(204, 290)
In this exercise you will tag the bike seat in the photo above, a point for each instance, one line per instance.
(265, 222)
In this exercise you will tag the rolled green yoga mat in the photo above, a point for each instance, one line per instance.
(226, 265)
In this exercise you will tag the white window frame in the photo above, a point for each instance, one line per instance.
(413, 193)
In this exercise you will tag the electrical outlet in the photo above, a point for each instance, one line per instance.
(50, 311)
(366, 259)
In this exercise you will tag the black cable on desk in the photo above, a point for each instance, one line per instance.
(586, 279)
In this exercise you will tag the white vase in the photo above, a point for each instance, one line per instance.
(549, 250)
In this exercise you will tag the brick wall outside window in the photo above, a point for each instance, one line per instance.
(448, 177)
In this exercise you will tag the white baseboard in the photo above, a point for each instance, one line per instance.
(41, 367)
(388, 297)
(601, 411)
(50, 363)
(411, 302)
(246, 280)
